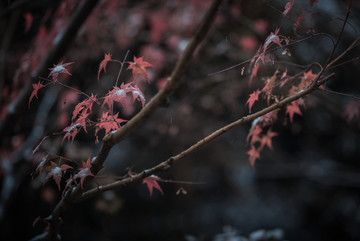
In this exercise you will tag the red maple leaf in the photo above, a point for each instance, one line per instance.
(119, 95)
(253, 155)
(266, 139)
(138, 95)
(309, 76)
(151, 182)
(58, 69)
(108, 123)
(103, 63)
(288, 7)
(84, 171)
(36, 87)
(56, 172)
(71, 131)
(272, 38)
(292, 109)
(84, 107)
(254, 134)
(253, 97)
(138, 67)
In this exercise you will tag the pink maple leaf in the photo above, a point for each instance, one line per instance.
(138, 67)
(71, 131)
(84, 107)
(84, 171)
(272, 38)
(292, 109)
(56, 172)
(119, 95)
(254, 134)
(36, 87)
(253, 155)
(253, 97)
(138, 95)
(108, 122)
(58, 69)
(309, 76)
(103, 63)
(151, 182)
(266, 139)
(288, 7)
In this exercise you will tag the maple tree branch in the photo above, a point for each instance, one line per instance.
(167, 164)
(158, 100)
(161, 97)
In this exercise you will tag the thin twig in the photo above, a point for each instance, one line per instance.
(167, 164)
(339, 93)
(122, 65)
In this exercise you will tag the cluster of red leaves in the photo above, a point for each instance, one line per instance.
(276, 81)
(81, 116)
(257, 137)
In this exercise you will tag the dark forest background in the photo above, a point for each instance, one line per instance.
(306, 188)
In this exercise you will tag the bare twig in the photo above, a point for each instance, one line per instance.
(167, 164)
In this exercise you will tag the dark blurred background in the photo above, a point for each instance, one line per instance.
(306, 188)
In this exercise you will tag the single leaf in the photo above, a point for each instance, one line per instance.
(36, 87)
(253, 155)
(84, 171)
(138, 67)
(272, 38)
(266, 139)
(151, 182)
(253, 97)
(56, 172)
(84, 107)
(288, 7)
(108, 123)
(103, 63)
(71, 131)
(254, 134)
(58, 69)
(293, 109)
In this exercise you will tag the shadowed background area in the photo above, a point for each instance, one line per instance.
(305, 188)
